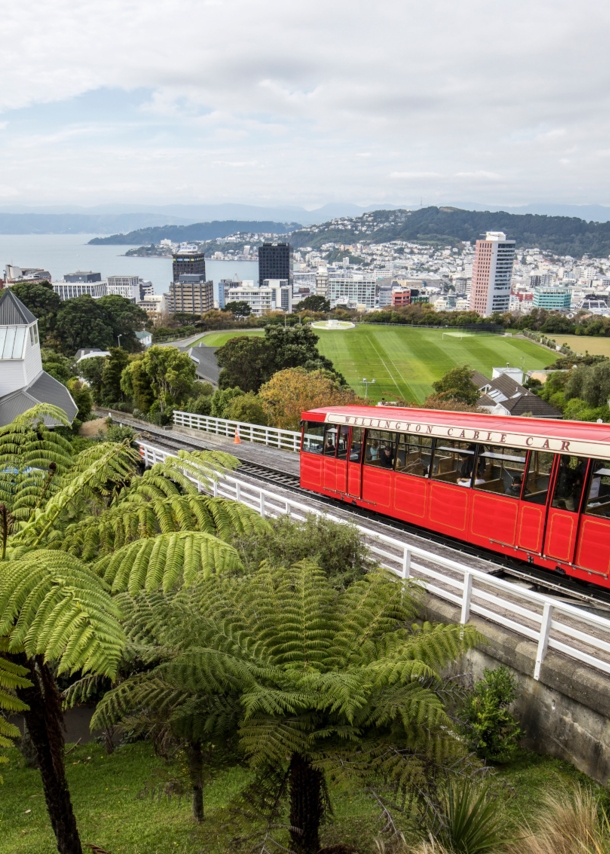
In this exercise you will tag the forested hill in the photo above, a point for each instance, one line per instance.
(197, 231)
(559, 234)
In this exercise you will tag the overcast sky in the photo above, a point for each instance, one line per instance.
(280, 101)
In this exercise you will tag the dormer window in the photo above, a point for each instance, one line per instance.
(12, 340)
(34, 334)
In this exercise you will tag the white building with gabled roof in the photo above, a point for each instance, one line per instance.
(23, 383)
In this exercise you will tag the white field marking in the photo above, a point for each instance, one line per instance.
(386, 367)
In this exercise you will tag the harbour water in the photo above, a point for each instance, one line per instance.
(66, 253)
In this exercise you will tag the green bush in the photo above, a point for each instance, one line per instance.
(337, 548)
(492, 731)
(117, 433)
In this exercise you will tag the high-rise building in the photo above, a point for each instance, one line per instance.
(190, 297)
(188, 262)
(274, 262)
(491, 274)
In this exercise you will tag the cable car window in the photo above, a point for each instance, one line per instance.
(330, 440)
(313, 437)
(414, 454)
(500, 470)
(379, 449)
(538, 477)
(598, 496)
(342, 438)
(453, 462)
(355, 452)
(569, 483)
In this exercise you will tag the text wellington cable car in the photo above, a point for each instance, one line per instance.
(533, 489)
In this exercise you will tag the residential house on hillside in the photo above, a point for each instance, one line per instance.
(503, 395)
(23, 383)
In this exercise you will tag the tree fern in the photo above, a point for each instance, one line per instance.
(333, 681)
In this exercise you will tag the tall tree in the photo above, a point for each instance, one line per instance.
(289, 393)
(125, 319)
(114, 365)
(82, 322)
(245, 363)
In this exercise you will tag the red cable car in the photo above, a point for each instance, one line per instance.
(530, 488)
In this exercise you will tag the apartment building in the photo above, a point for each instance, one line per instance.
(492, 273)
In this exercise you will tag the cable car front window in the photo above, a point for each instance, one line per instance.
(313, 437)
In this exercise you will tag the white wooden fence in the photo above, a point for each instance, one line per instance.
(288, 440)
(546, 621)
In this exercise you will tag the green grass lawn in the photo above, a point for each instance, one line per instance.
(113, 812)
(585, 343)
(217, 339)
(404, 362)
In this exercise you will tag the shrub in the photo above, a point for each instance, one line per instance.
(493, 732)
(336, 548)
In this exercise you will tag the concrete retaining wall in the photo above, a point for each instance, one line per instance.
(565, 714)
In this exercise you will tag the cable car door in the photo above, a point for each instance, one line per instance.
(563, 512)
(353, 485)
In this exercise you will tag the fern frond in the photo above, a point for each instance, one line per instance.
(52, 605)
(111, 467)
(167, 561)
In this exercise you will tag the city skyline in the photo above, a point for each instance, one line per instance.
(264, 103)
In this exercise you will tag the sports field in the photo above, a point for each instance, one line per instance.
(585, 344)
(217, 339)
(404, 362)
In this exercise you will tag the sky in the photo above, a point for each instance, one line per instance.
(268, 102)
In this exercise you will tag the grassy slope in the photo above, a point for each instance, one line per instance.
(583, 344)
(106, 789)
(406, 361)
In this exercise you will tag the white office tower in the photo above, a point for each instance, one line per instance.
(492, 273)
(282, 298)
(124, 286)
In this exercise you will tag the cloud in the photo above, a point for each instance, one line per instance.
(415, 175)
(272, 101)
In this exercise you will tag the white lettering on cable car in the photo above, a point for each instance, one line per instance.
(597, 450)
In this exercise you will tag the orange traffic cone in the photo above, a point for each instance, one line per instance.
(237, 440)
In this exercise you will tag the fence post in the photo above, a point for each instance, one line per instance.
(261, 499)
(465, 615)
(215, 488)
(406, 563)
(238, 491)
(543, 641)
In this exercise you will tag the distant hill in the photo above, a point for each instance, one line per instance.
(559, 234)
(197, 231)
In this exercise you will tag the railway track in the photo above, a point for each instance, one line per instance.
(568, 590)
